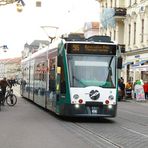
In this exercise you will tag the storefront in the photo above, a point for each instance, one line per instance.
(142, 70)
(135, 67)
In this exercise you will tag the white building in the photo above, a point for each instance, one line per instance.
(126, 21)
(136, 40)
(10, 68)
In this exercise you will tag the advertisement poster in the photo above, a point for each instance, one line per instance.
(140, 96)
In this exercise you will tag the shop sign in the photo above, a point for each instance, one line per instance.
(137, 56)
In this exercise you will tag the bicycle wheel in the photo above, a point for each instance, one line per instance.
(0, 105)
(1, 102)
(11, 100)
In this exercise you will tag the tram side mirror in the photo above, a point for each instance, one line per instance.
(119, 63)
(58, 87)
(58, 70)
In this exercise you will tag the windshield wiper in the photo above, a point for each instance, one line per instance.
(110, 72)
(78, 80)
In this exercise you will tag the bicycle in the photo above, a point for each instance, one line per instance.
(10, 98)
(1, 98)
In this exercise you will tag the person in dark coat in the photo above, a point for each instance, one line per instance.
(121, 87)
(3, 84)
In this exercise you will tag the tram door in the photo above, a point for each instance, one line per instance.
(40, 82)
(51, 98)
(31, 94)
(61, 78)
(25, 81)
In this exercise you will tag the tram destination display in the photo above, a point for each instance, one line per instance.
(101, 49)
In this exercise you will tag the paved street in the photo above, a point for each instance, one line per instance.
(28, 126)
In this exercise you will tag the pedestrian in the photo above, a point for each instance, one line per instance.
(128, 89)
(3, 84)
(145, 87)
(134, 92)
(121, 88)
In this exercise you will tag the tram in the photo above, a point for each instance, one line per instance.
(74, 77)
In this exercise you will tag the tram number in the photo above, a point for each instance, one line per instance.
(94, 111)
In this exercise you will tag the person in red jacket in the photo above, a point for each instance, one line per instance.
(145, 87)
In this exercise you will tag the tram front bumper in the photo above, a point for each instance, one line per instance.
(72, 110)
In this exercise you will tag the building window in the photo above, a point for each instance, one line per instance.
(142, 31)
(114, 35)
(128, 72)
(135, 33)
(129, 34)
(111, 3)
(110, 34)
(130, 2)
(115, 3)
(106, 4)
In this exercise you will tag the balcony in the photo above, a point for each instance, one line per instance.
(120, 13)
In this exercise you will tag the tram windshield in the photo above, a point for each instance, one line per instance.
(92, 70)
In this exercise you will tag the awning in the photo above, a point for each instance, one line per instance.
(139, 63)
(127, 63)
(141, 68)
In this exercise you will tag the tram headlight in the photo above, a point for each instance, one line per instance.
(111, 97)
(75, 96)
(77, 105)
(110, 106)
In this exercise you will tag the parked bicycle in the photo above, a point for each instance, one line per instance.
(10, 97)
(1, 98)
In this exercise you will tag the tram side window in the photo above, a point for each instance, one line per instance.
(42, 76)
(62, 80)
(52, 72)
(37, 71)
(40, 73)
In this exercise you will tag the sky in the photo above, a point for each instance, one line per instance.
(18, 28)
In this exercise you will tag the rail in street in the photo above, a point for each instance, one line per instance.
(27, 125)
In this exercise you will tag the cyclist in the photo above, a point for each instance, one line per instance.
(3, 84)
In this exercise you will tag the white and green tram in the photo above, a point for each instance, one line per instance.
(74, 77)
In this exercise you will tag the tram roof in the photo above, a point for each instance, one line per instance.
(88, 42)
(91, 40)
(94, 40)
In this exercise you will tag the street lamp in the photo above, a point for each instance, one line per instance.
(51, 32)
(4, 47)
(19, 5)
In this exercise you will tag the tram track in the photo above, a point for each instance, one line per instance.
(93, 138)
(106, 137)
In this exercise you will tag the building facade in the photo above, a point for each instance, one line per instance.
(33, 47)
(113, 14)
(136, 40)
(10, 68)
(126, 21)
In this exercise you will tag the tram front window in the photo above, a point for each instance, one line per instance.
(91, 70)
